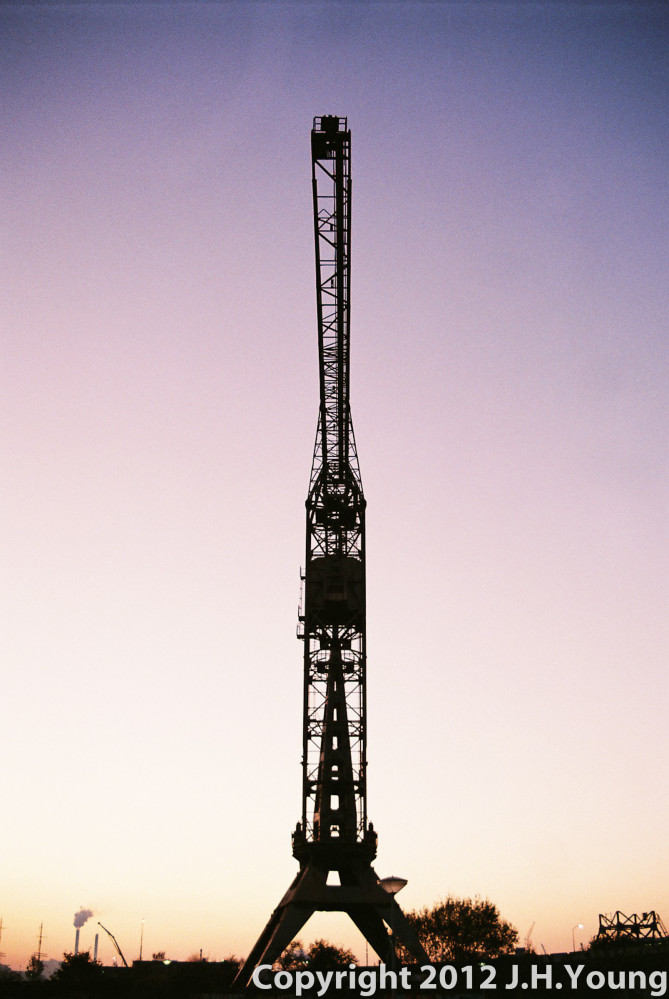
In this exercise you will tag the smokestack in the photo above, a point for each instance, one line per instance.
(79, 920)
(95, 948)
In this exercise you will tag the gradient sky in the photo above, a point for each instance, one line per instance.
(159, 398)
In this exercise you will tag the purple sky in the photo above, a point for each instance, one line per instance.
(159, 399)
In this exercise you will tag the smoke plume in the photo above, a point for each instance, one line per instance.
(81, 917)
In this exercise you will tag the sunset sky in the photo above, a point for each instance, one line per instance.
(159, 392)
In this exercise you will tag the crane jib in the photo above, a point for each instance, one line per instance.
(331, 158)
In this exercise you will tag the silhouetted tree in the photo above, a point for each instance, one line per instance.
(9, 978)
(321, 956)
(34, 968)
(324, 955)
(462, 929)
(293, 957)
(78, 972)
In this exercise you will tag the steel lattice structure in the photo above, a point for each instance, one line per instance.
(619, 927)
(334, 836)
(333, 620)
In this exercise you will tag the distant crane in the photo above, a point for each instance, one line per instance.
(528, 938)
(114, 941)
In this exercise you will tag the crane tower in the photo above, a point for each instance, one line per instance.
(333, 842)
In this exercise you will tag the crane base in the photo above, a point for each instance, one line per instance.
(373, 910)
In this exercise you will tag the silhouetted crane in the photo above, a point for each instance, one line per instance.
(334, 836)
